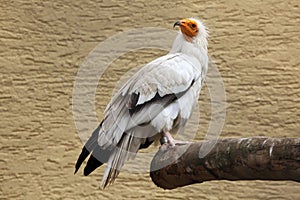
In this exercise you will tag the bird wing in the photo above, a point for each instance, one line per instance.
(144, 95)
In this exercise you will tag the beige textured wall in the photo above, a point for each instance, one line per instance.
(256, 45)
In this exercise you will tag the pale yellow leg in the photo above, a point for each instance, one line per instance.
(171, 140)
(168, 140)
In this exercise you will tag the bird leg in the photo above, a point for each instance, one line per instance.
(166, 140)
(166, 135)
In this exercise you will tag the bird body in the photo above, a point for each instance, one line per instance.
(157, 100)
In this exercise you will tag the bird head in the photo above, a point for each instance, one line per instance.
(191, 29)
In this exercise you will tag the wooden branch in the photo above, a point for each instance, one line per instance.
(230, 159)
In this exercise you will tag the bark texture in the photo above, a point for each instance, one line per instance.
(230, 159)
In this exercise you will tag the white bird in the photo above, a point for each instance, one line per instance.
(152, 104)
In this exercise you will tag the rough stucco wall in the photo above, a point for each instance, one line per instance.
(255, 43)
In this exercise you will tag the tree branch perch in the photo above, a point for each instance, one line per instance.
(231, 159)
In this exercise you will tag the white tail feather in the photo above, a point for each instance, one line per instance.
(120, 155)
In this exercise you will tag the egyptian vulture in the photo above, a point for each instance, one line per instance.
(151, 105)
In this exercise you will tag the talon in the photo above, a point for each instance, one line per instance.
(164, 147)
(179, 142)
(172, 143)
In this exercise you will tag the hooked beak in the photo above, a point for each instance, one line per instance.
(176, 24)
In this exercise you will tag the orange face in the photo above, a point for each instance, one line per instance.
(189, 27)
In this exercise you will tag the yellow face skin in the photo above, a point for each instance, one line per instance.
(189, 27)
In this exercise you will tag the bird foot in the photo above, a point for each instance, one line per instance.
(171, 144)
(167, 141)
(165, 146)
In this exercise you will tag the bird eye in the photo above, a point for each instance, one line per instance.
(193, 25)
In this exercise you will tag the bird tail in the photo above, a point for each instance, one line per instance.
(98, 157)
(115, 157)
(126, 149)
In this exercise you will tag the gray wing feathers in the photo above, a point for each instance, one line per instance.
(170, 74)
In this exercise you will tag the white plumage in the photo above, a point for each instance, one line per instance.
(157, 100)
